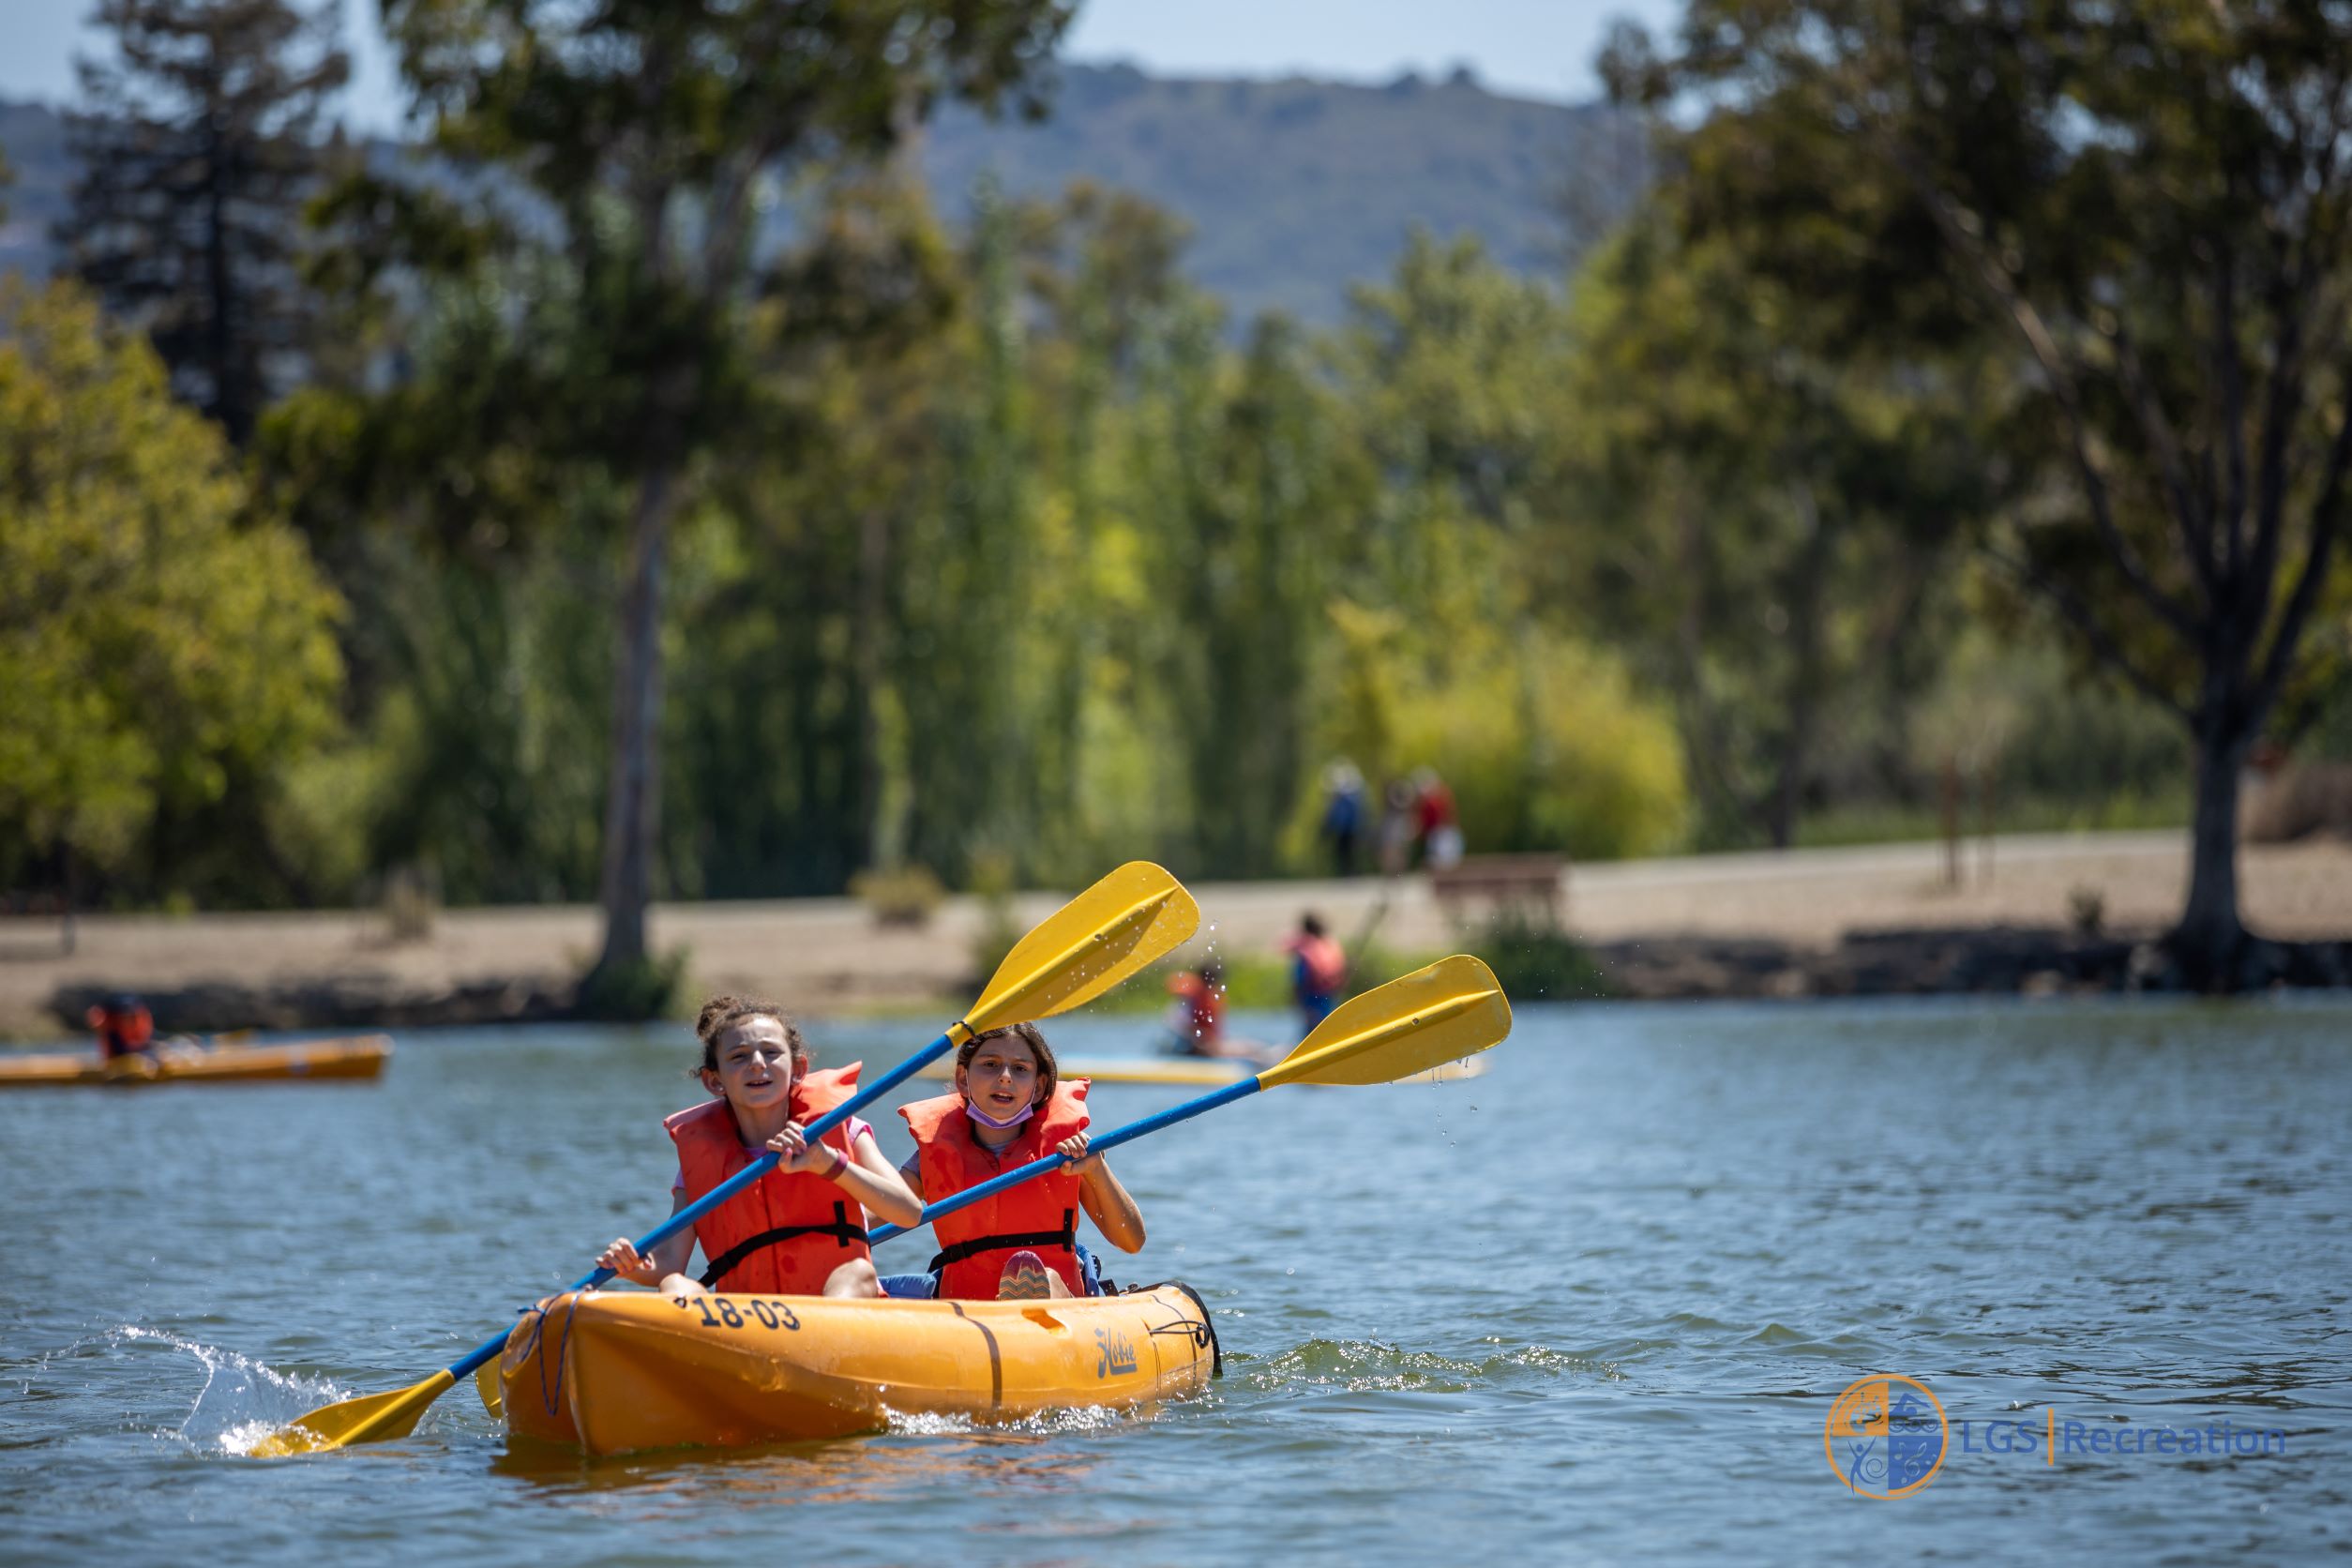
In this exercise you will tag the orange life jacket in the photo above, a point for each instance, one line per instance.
(1326, 964)
(122, 1032)
(786, 1233)
(1040, 1215)
(1205, 1002)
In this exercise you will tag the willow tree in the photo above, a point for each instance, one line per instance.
(2146, 207)
(657, 133)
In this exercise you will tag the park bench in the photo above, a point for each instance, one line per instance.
(1528, 882)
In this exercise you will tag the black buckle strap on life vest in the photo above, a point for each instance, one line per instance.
(1065, 1238)
(840, 1228)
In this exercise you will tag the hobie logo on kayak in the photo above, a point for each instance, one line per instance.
(1114, 1354)
(1886, 1435)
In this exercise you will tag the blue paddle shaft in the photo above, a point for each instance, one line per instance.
(1044, 1163)
(866, 1094)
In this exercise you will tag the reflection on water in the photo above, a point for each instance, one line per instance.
(1604, 1295)
(902, 1465)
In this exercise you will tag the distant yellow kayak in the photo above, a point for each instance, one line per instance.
(616, 1371)
(1198, 1072)
(361, 1057)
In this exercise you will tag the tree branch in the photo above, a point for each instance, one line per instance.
(2078, 616)
(2188, 505)
(2052, 359)
(2327, 521)
(2229, 369)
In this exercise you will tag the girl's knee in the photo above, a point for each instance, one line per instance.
(855, 1277)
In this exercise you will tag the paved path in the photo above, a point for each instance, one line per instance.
(820, 952)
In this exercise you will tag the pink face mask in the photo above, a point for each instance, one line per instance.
(987, 1120)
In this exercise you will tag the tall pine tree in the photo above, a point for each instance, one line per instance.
(198, 146)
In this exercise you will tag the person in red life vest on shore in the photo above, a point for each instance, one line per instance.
(124, 1027)
(799, 1229)
(1318, 972)
(1010, 1106)
(1434, 814)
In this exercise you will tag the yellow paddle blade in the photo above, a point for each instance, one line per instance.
(487, 1385)
(1133, 915)
(368, 1419)
(1452, 1009)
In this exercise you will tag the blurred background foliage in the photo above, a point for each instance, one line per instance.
(1001, 550)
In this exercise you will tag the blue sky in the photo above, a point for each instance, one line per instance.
(1530, 48)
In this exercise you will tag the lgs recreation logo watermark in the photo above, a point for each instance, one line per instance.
(1886, 1436)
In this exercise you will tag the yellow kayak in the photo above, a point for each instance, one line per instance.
(1198, 1072)
(619, 1370)
(361, 1057)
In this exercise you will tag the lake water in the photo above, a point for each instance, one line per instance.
(1592, 1307)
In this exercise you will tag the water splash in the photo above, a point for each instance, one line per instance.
(1365, 1365)
(242, 1401)
(1079, 1418)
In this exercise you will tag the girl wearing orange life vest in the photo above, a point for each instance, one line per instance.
(1009, 1107)
(799, 1230)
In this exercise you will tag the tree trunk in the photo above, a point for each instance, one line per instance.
(67, 933)
(877, 845)
(632, 808)
(1787, 801)
(2209, 940)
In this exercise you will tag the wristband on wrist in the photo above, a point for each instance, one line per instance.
(841, 1164)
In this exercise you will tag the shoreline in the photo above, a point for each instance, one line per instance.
(1861, 920)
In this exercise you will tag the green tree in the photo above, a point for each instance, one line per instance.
(163, 651)
(657, 134)
(2147, 206)
(1769, 515)
(197, 150)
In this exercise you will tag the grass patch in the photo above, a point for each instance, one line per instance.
(1911, 824)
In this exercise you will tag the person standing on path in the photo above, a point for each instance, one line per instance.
(1343, 814)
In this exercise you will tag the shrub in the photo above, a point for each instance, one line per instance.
(1537, 961)
(2086, 910)
(901, 895)
(633, 992)
(1546, 746)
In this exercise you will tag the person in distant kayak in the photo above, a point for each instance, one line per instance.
(1196, 1022)
(1319, 972)
(799, 1229)
(1010, 1107)
(124, 1027)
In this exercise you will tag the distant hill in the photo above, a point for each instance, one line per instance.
(1294, 189)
